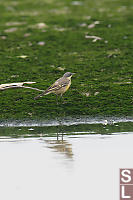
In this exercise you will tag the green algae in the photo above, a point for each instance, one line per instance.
(102, 84)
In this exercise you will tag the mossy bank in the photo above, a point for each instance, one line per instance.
(41, 40)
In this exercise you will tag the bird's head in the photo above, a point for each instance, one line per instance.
(68, 75)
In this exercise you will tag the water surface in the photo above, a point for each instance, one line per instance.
(64, 161)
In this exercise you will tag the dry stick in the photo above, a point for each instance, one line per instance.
(8, 87)
(18, 85)
(32, 88)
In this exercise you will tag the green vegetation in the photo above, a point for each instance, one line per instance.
(41, 40)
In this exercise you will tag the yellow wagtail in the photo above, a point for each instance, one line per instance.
(60, 86)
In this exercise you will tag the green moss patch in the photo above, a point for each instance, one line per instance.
(41, 40)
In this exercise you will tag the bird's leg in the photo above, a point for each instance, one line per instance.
(61, 98)
(57, 99)
(57, 136)
(62, 137)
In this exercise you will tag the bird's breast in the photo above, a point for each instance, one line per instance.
(67, 87)
(63, 89)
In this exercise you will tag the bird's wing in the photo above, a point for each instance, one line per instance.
(57, 85)
(54, 87)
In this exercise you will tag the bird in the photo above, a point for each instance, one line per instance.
(59, 87)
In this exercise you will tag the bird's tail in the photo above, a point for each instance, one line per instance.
(37, 97)
(40, 95)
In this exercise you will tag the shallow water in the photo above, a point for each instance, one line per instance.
(82, 161)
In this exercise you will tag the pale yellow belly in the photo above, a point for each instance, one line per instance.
(63, 90)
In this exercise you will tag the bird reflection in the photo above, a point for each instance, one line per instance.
(60, 145)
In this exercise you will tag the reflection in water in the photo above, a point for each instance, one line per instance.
(47, 169)
(60, 145)
(63, 160)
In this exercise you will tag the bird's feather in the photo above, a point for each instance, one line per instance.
(59, 87)
(56, 86)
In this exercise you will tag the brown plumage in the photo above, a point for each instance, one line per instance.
(59, 87)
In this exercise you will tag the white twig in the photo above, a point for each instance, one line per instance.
(95, 38)
(18, 85)
(32, 88)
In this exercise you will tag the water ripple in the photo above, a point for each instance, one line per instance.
(66, 122)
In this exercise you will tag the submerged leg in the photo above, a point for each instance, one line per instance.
(57, 136)
(62, 137)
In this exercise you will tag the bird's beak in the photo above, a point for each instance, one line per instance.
(73, 74)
